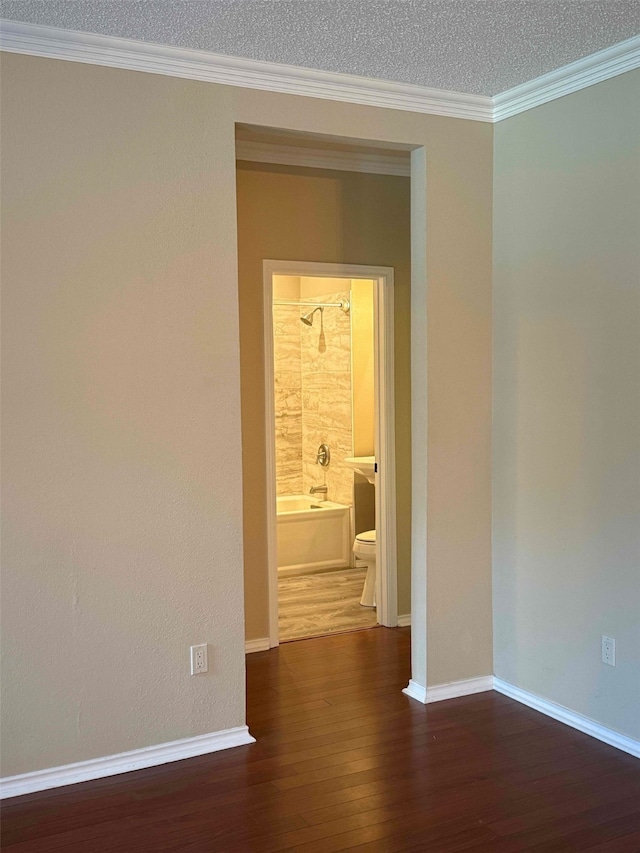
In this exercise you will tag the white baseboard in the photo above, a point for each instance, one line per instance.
(262, 644)
(451, 690)
(404, 621)
(301, 570)
(123, 762)
(568, 717)
(416, 691)
(564, 715)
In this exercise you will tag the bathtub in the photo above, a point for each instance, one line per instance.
(313, 536)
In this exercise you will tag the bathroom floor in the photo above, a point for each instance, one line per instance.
(327, 603)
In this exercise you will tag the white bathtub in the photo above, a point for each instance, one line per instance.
(313, 536)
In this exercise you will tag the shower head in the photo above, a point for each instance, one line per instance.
(307, 319)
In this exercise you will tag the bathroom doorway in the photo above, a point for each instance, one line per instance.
(330, 448)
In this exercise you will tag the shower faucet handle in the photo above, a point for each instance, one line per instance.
(323, 456)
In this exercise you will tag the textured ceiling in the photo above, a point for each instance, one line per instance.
(477, 46)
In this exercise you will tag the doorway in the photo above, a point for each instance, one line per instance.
(311, 535)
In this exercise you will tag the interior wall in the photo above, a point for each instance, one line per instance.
(291, 213)
(566, 511)
(319, 287)
(122, 501)
(362, 359)
(122, 515)
(286, 287)
(362, 332)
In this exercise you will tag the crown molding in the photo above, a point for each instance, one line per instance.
(621, 57)
(55, 43)
(376, 162)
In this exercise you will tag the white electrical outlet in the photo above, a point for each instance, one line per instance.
(608, 650)
(199, 662)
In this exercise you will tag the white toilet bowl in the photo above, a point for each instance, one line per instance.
(364, 548)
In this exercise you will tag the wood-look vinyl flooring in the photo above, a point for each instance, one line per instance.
(345, 762)
(324, 603)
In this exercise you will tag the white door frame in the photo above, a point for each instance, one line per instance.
(385, 497)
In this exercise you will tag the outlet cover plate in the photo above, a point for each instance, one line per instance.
(199, 659)
(608, 650)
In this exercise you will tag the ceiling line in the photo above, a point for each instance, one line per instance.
(71, 45)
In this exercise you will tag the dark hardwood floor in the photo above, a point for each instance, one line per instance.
(345, 761)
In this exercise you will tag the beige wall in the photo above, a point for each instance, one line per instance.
(567, 401)
(362, 321)
(362, 332)
(286, 287)
(316, 287)
(122, 513)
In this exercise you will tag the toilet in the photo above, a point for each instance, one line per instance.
(364, 548)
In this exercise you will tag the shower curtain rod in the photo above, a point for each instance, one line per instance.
(316, 304)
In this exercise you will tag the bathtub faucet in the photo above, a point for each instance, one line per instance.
(318, 489)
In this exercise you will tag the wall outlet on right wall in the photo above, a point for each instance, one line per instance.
(608, 650)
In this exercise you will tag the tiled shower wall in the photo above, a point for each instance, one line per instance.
(288, 399)
(325, 351)
(313, 399)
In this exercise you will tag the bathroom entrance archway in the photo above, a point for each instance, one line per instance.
(384, 428)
